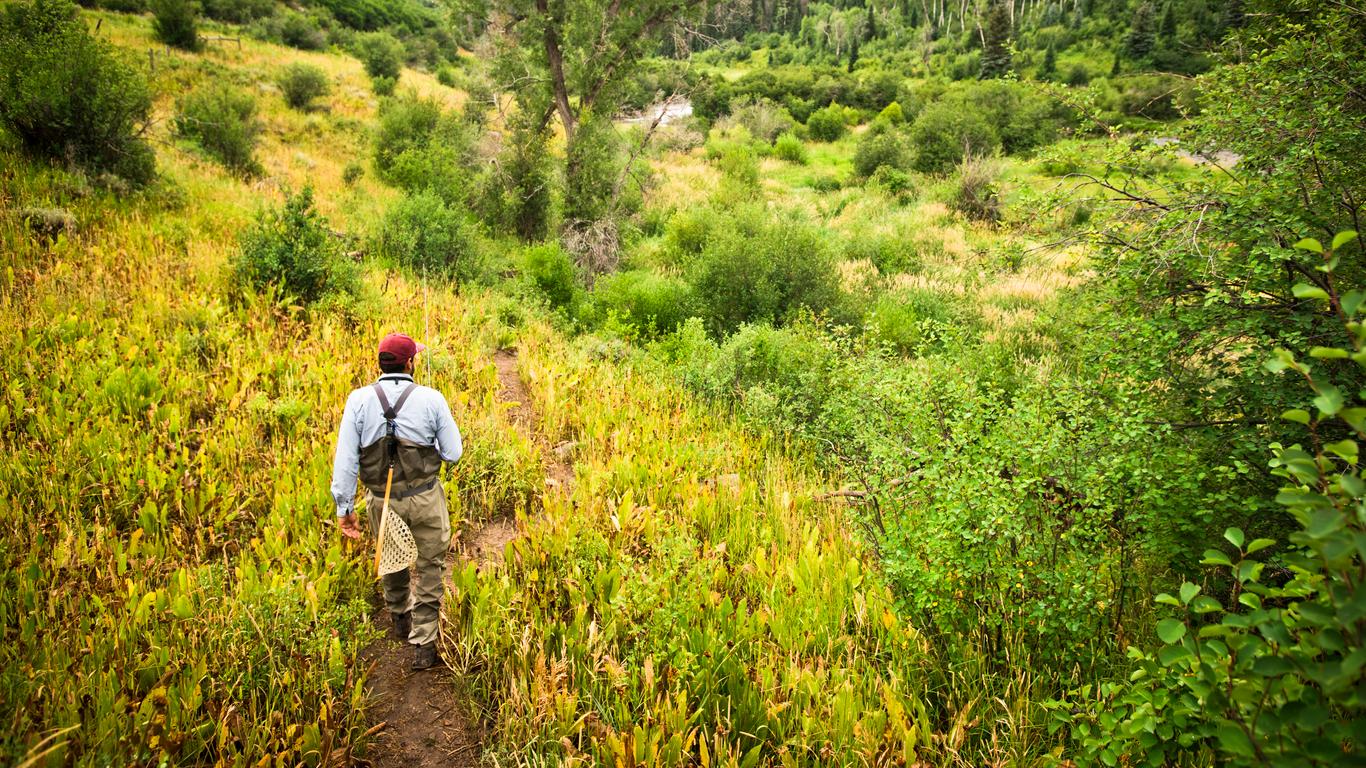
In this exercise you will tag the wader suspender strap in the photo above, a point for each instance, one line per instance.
(391, 413)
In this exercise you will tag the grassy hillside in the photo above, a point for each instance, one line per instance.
(174, 588)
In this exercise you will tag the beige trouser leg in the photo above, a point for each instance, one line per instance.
(430, 521)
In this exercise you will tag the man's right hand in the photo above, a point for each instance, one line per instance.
(347, 525)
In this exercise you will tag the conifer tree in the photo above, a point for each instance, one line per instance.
(1142, 34)
(996, 42)
(1049, 68)
(1169, 24)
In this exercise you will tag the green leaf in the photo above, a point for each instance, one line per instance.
(1171, 630)
(1258, 545)
(1206, 604)
(1296, 414)
(1329, 401)
(1344, 449)
(1215, 557)
(1328, 353)
(1310, 244)
(1166, 599)
(1234, 536)
(1271, 666)
(1343, 238)
(1234, 741)
(1351, 302)
(1189, 591)
(1355, 417)
(1307, 291)
(1352, 485)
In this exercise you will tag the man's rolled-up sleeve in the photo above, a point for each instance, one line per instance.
(448, 441)
(346, 462)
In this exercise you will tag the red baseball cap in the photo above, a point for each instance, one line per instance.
(398, 348)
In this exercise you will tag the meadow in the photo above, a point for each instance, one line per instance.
(878, 456)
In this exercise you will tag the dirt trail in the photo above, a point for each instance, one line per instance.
(487, 541)
(422, 721)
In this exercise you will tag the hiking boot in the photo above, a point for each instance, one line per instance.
(424, 656)
(403, 624)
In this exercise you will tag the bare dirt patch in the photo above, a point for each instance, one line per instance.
(422, 720)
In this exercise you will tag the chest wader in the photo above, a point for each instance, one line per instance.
(405, 469)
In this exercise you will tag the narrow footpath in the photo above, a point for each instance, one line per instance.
(419, 718)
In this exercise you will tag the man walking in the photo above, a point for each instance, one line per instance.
(396, 422)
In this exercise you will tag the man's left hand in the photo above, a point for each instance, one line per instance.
(347, 525)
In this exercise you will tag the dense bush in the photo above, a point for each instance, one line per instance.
(895, 182)
(766, 273)
(790, 148)
(301, 31)
(827, 123)
(222, 120)
(418, 146)
(292, 249)
(551, 271)
(647, 302)
(176, 24)
(944, 133)
(238, 11)
(382, 54)
(1259, 662)
(514, 194)
(65, 94)
(886, 149)
(424, 233)
(302, 83)
(916, 321)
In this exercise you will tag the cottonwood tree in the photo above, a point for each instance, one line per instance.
(567, 61)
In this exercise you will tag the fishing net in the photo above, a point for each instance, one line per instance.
(398, 548)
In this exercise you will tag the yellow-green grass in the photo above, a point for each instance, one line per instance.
(174, 589)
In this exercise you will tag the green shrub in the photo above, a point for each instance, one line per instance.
(446, 76)
(892, 114)
(790, 148)
(301, 31)
(551, 272)
(382, 54)
(222, 121)
(914, 322)
(945, 132)
(238, 11)
(1260, 662)
(879, 150)
(422, 232)
(739, 173)
(689, 230)
(893, 181)
(65, 95)
(175, 23)
(384, 86)
(292, 249)
(827, 123)
(648, 302)
(768, 274)
(352, 173)
(302, 83)
(418, 147)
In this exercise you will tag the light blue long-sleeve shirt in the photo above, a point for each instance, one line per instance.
(425, 419)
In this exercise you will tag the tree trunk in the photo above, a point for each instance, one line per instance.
(555, 58)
